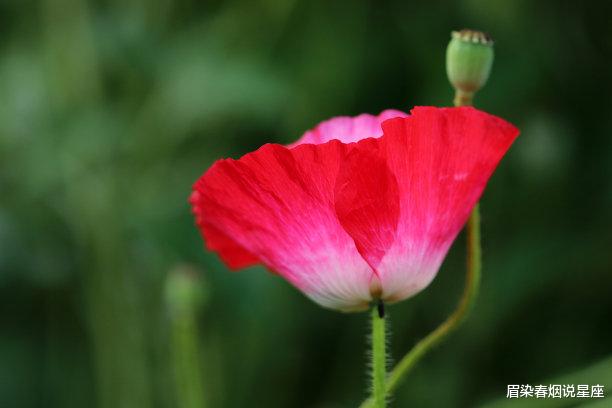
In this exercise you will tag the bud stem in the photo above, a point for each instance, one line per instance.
(463, 98)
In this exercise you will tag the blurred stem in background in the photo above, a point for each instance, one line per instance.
(183, 296)
(469, 57)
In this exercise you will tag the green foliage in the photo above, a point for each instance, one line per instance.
(110, 110)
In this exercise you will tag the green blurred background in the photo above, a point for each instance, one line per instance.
(110, 110)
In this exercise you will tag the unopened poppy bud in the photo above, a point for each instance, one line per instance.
(469, 57)
(184, 289)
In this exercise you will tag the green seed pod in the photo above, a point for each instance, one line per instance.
(469, 57)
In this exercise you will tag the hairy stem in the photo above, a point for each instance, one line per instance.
(379, 357)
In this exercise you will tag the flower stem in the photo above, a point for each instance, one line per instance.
(379, 358)
(470, 292)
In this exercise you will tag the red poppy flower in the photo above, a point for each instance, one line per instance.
(354, 211)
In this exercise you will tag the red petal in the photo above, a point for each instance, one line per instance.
(278, 204)
(235, 256)
(367, 201)
(231, 253)
(442, 159)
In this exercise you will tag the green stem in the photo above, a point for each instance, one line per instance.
(470, 292)
(379, 358)
(188, 376)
